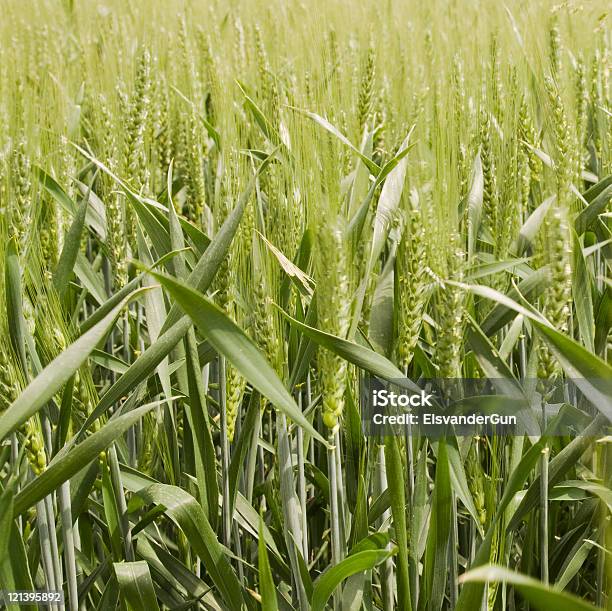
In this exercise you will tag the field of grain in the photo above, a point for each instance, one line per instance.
(217, 219)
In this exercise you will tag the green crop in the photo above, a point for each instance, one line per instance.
(217, 219)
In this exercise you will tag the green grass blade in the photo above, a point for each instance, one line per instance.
(397, 492)
(72, 244)
(230, 341)
(185, 511)
(136, 585)
(388, 202)
(542, 597)
(334, 576)
(267, 587)
(361, 356)
(78, 458)
(56, 374)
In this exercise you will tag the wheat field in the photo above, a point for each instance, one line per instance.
(218, 219)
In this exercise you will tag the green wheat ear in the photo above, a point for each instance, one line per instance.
(412, 280)
(332, 310)
(22, 186)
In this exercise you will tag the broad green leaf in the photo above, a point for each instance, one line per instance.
(530, 287)
(72, 245)
(187, 514)
(603, 320)
(248, 518)
(361, 356)
(598, 490)
(381, 312)
(488, 269)
(589, 373)
(155, 308)
(583, 299)
(594, 190)
(111, 515)
(140, 369)
(44, 386)
(532, 225)
(490, 361)
(203, 273)
(330, 579)
(136, 585)
(109, 304)
(592, 375)
(14, 566)
(474, 204)
(155, 230)
(204, 449)
(599, 204)
(560, 464)
(63, 425)
(573, 563)
(175, 572)
(95, 220)
(291, 509)
(397, 493)
(459, 481)
(109, 361)
(357, 221)
(325, 124)
(306, 348)
(388, 203)
(230, 341)
(160, 212)
(436, 554)
(512, 336)
(90, 280)
(79, 457)
(267, 588)
(541, 596)
(264, 124)
(241, 447)
(470, 596)
(6, 520)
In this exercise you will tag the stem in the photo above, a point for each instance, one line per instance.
(334, 512)
(302, 484)
(69, 544)
(57, 567)
(238, 551)
(340, 493)
(387, 577)
(45, 547)
(251, 466)
(311, 446)
(544, 514)
(115, 474)
(333, 501)
(410, 456)
(227, 518)
(15, 469)
(454, 561)
(290, 506)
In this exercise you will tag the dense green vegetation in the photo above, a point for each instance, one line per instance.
(216, 218)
